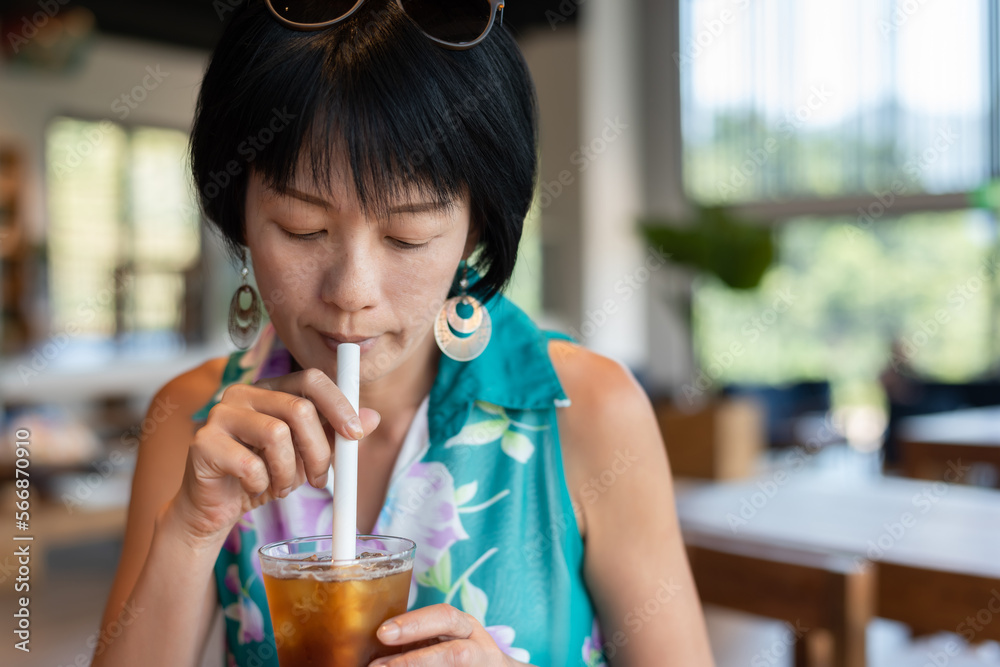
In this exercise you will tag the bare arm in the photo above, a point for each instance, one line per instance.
(635, 564)
(151, 571)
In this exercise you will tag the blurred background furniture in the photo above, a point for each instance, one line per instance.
(827, 601)
(785, 406)
(935, 541)
(721, 440)
(962, 446)
(919, 396)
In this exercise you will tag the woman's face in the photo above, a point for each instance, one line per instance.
(329, 274)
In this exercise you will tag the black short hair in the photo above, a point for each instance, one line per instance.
(408, 113)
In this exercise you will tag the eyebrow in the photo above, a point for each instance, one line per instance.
(306, 197)
(410, 207)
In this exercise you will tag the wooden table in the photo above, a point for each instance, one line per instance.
(941, 446)
(838, 551)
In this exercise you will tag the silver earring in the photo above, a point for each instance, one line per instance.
(463, 326)
(244, 312)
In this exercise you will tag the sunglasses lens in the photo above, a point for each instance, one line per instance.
(312, 12)
(453, 21)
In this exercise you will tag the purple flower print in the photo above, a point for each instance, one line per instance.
(233, 579)
(245, 611)
(234, 540)
(421, 507)
(306, 512)
(503, 635)
(593, 655)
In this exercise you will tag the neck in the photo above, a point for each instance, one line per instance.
(397, 395)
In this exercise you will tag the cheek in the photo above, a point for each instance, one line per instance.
(418, 292)
(283, 280)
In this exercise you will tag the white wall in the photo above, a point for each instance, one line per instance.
(611, 70)
(671, 358)
(112, 68)
(615, 276)
(553, 55)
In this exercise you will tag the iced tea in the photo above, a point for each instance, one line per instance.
(326, 614)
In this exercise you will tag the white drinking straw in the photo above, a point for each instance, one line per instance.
(345, 463)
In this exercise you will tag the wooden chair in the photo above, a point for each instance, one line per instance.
(937, 460)
(945, 445)
(932, 601)
(828, 596)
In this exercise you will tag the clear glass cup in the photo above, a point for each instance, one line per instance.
(325, 613)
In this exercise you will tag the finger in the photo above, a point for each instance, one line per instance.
(370, 419)
(269, 436)
(308, 437)
(317, 386)
(218, 456)
(440, 620)
(454, 652)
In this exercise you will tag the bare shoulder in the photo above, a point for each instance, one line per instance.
(608, 431)
(604, 394)
(167, 429)
(167, 433)
(190, 390)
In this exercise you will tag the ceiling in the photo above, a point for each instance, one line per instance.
(197, 23)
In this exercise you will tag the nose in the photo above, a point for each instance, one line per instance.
(350, 282)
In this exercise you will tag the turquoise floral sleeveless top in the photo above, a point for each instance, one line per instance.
(484, 497)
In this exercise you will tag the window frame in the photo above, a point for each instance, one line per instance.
(188, 335)
(778, 211)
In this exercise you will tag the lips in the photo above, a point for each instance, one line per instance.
(332, 340)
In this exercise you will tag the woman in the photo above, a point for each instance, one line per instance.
(372, 166)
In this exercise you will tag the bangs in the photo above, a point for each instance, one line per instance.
(356, 103)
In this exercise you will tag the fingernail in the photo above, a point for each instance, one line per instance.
(354, 428)
(389, 632)
(321, 480)
(285, 491)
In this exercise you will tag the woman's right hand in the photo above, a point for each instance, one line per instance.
(261, 442)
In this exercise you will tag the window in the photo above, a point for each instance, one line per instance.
(836, 106)
(846, 302)
(808, 98)
(124, 242)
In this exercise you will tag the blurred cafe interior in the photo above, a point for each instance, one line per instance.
(781, 215)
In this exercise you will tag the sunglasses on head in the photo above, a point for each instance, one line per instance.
(453, 24)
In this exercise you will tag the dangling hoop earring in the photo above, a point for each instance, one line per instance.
(244, 311)
(463, 326)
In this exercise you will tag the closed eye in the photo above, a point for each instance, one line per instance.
(403, 245)
(311, 236)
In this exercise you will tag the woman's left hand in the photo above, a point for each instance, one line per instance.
(458, 639)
